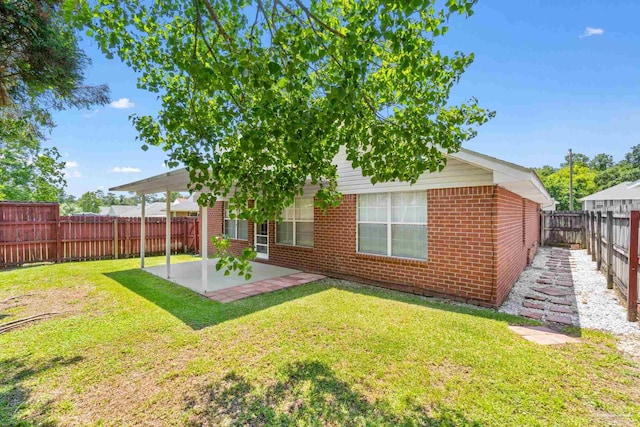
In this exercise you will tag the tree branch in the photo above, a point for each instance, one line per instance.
(323, 24)
(216, 19)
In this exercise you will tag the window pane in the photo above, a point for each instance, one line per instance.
(372, 207)
(409, 207)
(409, 241)
(372, 238)
(287, 214)
(230, 228)
(304, 209)
(242, 229)
(226, 210)
(304, 234)
(284, 233)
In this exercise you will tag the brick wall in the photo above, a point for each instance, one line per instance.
(465, 242)
(517, 238)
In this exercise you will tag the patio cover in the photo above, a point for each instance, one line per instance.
(177, 180)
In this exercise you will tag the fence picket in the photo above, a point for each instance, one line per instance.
(35, 232)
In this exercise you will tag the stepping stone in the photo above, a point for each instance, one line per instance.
(531, 304)
(542, 335)
(564, 284)
(531, 314)
(561, 309)
(560, 301)
(555, 292)
(545, 281)
(535, 297)
(560, 319)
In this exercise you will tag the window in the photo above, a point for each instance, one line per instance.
(234, 228)
(393, 224)
(296, 227)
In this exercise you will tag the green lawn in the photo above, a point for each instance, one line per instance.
(133, 349)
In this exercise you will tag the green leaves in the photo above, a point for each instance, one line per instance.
(258, 97)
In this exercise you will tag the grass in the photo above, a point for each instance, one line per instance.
(133, 349)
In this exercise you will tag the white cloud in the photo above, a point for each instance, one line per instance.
(591, 31)
(90, 113)
(71, 170)
(124, 169)
(122, 103)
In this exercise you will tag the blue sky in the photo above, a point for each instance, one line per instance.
(559, 74)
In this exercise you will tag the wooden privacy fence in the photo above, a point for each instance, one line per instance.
(610, 237)
(35, 232)
(612, 241)
(560, 228)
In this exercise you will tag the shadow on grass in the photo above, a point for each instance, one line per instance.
(14, 373)
(309, 393)
(192, 308)
(199, 312)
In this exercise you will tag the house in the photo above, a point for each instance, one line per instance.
(465, 233)
(155, 209)
(185, 207)
(620, 198)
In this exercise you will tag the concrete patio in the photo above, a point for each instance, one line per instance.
(264, 278)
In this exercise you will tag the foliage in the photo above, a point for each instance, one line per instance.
(329, 353)
(578, 158)
(89, 202)
(28, 172)
(258, 96)
(601, 162)
(583, 184)
(590, 175)
(230, 263)
(41, 70)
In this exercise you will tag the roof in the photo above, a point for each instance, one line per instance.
(624, 191)
(152, 209)
(513, 177)
(185, 207)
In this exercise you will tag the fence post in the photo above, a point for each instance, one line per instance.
(610, 250)
(592, 217)
(115, 237)
(541, 228)
(585, 244)
(58, 235)
(599, 254)
(632, 297)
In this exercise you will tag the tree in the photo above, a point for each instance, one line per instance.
(29, 173)
(578, 159)
(558, 184)
(89, 202)
(258, 96)
(601, 162)
(633, 156)
(545, 171)
(41, 70)
(617, 174)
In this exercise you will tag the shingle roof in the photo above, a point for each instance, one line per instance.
(624, 191)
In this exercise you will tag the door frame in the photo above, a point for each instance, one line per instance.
(255, 241)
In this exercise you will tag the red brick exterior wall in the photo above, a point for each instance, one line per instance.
(518, 231)
(474, 239)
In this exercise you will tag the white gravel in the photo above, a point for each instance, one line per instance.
(598, 307)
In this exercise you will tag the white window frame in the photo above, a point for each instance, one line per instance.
(294, 221)
(227, 217)
(389, 223)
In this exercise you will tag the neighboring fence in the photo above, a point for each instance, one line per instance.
(35, 232)
(562, 228)
(613, 245)
(612, 240)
